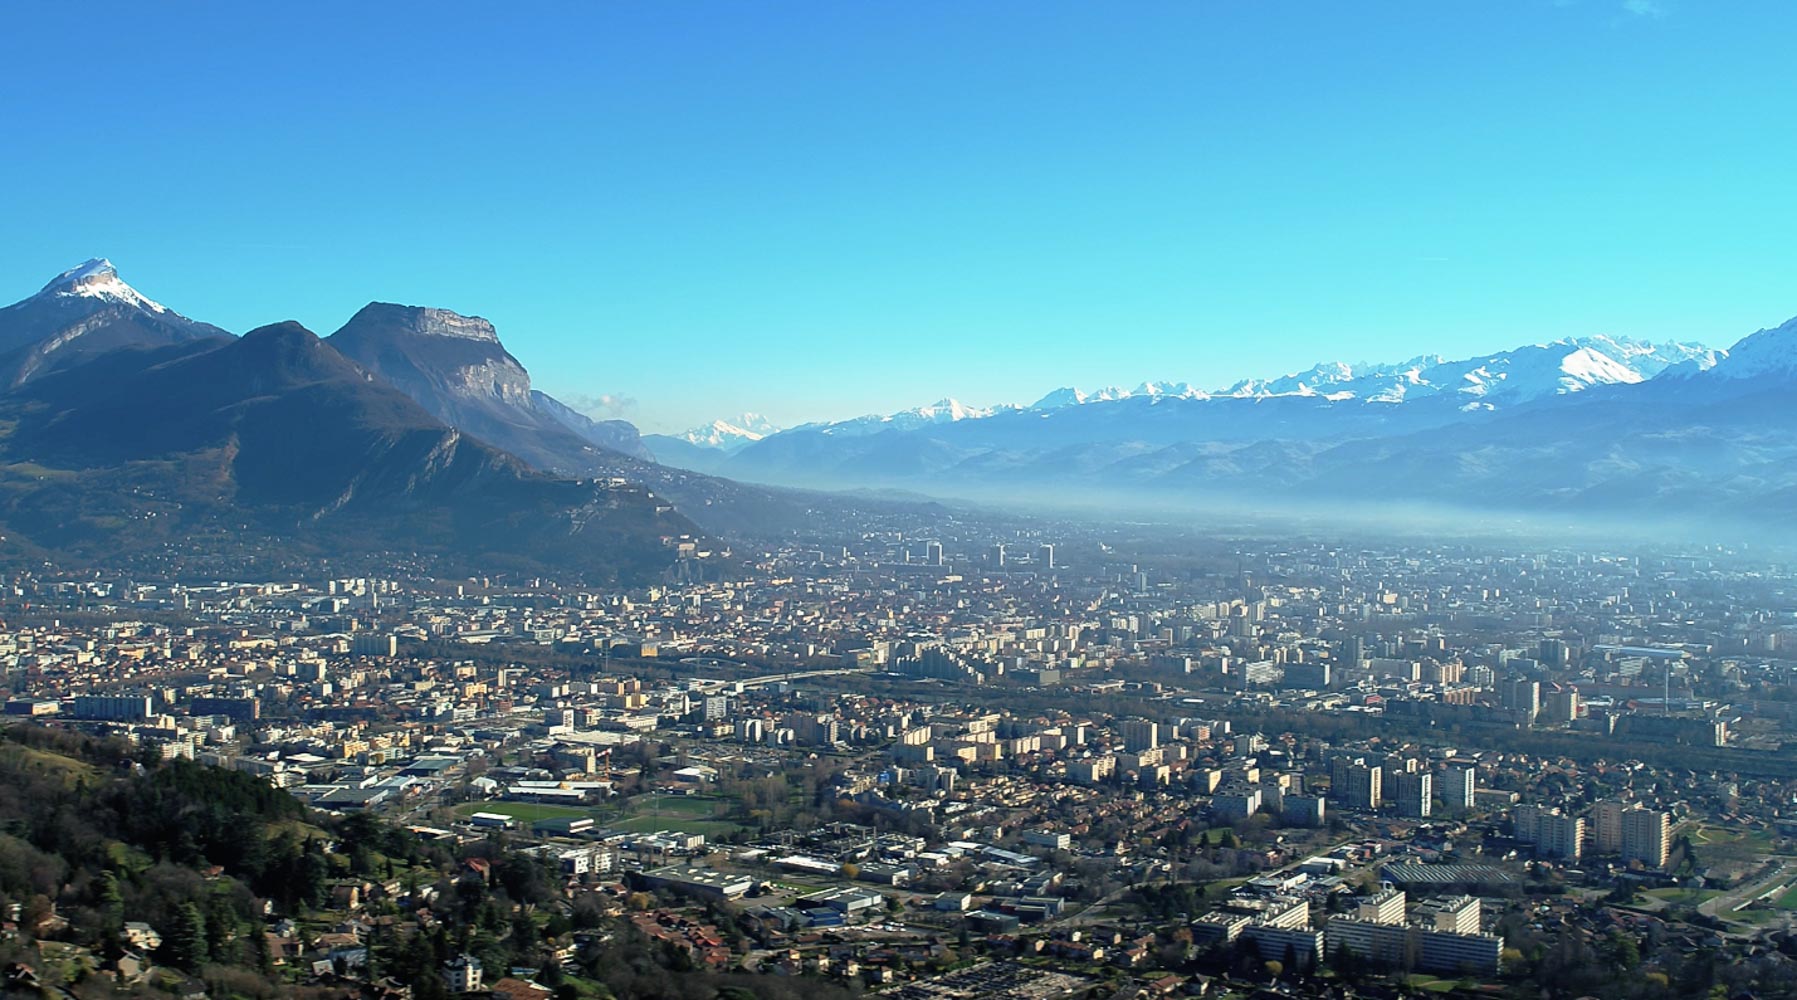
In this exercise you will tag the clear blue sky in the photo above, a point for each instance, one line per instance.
(820, 210)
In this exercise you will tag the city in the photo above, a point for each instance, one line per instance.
(992, 756)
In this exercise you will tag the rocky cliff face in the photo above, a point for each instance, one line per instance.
(456, 368)
(456, 360)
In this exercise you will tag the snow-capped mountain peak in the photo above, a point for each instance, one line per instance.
(1168, 390)
(1772, 351)
(731, 434)
(1064, 396)
(1524, 373)
(1069, 396)
(98, 279)
(943, 411)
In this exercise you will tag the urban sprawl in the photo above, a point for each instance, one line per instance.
(1027, 762)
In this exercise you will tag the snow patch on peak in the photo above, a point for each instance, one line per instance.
(1168, 390)
(946, 409)
(93, 267)
(98, 279)
(731, 434)
(1587, 366)
(1768, 352)
(1069, 396)
(1062, 397)
(943, 411)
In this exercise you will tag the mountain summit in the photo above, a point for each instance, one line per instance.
(455, 367)
(83, 312)
(1769, 352)
(98, 279)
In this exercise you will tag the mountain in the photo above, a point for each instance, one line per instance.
(1770, 353)
(1513, 376)
(220, 445)
(620, 436)
(1329, 402)
(455, 367)
(943, 411)
(1586, 427)
(731, 434)
(705, 448)
(84, 312)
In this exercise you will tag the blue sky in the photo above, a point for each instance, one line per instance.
(684, 210)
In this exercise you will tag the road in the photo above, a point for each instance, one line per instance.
(782, 678)
(1725, 905)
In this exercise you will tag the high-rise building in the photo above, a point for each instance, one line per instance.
(1358, 785)
(1045, 556)
(996, 556)
(1139, 735)
(1459, 915)
(1521, 696)
(1385, 907)
(374, 644)
(1646, 837)
(1305, 810)
(1560, 707)
(1525, 823)
(1459, 783)
(1559, 836)
(1415, 794)
(1605, 826)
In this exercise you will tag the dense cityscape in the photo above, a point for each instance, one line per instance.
(980, 756)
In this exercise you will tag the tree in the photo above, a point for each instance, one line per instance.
(110, 900)
(259, 954)
(186, 942)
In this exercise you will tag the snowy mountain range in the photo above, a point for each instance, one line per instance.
(943, 411)
(732, 433)
(1593, 426)
(1484, 382)
(1513, 376)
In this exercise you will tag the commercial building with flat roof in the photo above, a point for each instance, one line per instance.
(696, 881)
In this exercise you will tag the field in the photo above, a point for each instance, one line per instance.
(685, 813)
(687, 806)
(1714, 843)
(1678, 896)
